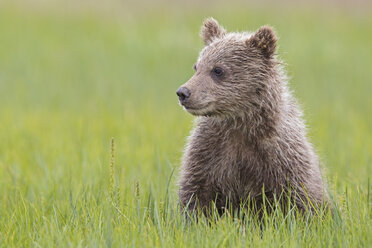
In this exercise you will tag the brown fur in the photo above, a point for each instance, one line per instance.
(249, 135)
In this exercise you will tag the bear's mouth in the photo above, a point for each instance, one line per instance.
(205, 110)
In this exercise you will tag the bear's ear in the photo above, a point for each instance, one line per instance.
(211, 30)
(265, 40)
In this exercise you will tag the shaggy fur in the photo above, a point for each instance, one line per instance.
(249, 137)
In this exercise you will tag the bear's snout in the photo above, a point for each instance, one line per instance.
(183, 94)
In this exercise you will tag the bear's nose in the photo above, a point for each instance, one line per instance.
(183, 93)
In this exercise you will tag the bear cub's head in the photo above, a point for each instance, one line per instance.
(234, 73)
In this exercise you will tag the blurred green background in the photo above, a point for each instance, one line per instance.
(74, 74)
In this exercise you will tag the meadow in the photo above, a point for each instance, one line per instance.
(74, 77)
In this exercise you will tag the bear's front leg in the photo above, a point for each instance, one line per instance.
(196, 195)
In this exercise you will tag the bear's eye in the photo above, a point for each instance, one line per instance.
(217, 71)
(194, 67)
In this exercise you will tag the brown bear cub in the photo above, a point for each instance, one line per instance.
(249, 138)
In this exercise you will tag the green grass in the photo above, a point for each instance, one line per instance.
(69, 82)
